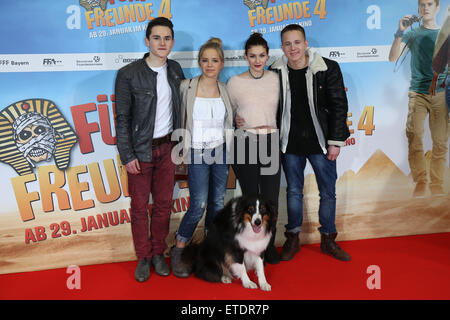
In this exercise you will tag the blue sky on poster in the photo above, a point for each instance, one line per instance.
(37, 27)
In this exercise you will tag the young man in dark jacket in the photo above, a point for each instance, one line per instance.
(313, 126)
(147, 111)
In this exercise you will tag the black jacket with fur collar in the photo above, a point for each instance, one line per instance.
(326, 96)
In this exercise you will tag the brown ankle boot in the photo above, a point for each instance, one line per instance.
(329, 246)
(291, 246)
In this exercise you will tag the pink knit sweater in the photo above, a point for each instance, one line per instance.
(255, 100)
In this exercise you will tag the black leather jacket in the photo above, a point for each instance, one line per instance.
(135, 106)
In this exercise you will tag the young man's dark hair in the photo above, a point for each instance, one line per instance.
(435, 1)
(292, 27)
(160, 21)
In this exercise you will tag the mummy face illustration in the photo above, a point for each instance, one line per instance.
(32, 131)
(252, 4)
(34, 137)
(93, 3)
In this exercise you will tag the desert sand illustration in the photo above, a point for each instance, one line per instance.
(374, 202)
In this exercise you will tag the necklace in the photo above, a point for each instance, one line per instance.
(254, 76)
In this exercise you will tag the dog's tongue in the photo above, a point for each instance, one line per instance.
(256, 229)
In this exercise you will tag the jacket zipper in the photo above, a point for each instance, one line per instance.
(147, 92)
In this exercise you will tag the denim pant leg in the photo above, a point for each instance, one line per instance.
(218, 178)
(326, 176)
(198, 180)
(293, 166)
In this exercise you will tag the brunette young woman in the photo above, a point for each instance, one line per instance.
(254, 96)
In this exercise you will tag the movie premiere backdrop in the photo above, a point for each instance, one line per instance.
(64, 198)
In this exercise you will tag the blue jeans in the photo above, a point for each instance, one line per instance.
(326, 176)
(207, 187)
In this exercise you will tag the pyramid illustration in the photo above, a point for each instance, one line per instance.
(380, 167)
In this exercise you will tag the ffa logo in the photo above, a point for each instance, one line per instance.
(32, 131)
(90, 4)
(252, 4)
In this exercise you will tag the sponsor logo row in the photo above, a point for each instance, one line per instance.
(235, 58)
(66, 62)
(187, 59)
(357, 54)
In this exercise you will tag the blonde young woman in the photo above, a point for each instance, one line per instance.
(207, 114)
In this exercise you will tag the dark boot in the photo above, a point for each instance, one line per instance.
(142, 272)
(291, 246)
(160, 265)
(271, 255)
(329, 246)
(179, 268)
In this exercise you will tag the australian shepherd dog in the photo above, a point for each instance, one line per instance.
(235, 243)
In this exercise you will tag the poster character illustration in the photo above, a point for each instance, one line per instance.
(32, 131)
(420, 41)
(91, 4)
(252, 4)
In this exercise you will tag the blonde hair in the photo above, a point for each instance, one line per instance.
(212, 43)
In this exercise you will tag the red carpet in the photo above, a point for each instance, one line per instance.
(412, 267)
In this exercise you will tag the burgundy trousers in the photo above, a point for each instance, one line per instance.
(157, 178)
